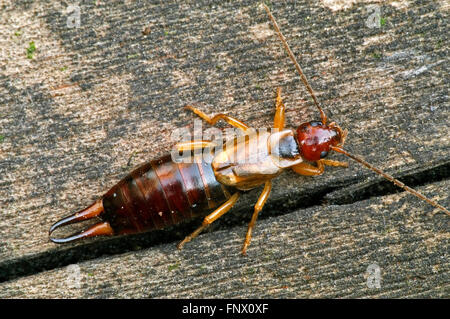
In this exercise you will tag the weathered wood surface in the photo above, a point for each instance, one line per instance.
(95, 96)
(317, 252)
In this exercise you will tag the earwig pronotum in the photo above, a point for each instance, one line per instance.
(162, 192)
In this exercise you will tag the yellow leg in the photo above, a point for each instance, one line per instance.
(222, 209)
(230, 120)
(258, 207)
(310, 170)
(193, 145)
(334, 163)
(278, 121)
(344, 136)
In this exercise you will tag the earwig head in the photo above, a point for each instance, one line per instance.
(316, 139)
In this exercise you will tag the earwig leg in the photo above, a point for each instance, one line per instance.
(334, 163)
(344, 136)
(222, 209)
(258, 207)
(100, 229)
(230, 120)
(278, 121)
(308, 169)
(192, 145)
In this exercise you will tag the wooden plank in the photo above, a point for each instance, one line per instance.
(103, 95)
(320, 252)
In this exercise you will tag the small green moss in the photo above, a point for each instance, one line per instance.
(439, 44)
(133, 56)
(218, 67)
(174, 266)
(382, 21)
(376, 55)
(30, 50)
(90, 274)
(250, 271)
(166, 32)
(63, 68)
(18, 33)
(2, 137)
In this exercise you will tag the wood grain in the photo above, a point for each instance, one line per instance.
(320, 252)
(96, 101)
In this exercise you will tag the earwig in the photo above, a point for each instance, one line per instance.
(164, 192)
(156, 195)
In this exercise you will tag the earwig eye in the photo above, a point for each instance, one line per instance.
(323, 154)
(305, 128)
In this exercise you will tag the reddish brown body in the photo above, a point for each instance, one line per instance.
(161, 193)
(156, 195)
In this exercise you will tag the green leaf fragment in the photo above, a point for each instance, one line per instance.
(30, 50)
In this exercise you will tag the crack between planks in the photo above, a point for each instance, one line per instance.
(344, 194)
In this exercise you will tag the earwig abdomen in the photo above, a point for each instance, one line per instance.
(156, 195)
(161, 193)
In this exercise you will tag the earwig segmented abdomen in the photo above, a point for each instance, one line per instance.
(156, 195)
(161, 193)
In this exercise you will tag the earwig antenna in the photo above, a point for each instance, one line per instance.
(324, 120)
(390, 178)
(297, 66)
